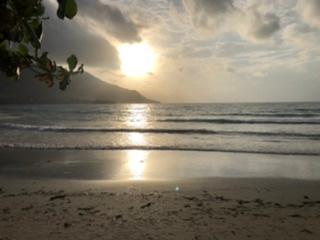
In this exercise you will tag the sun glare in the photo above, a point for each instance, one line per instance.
(137, 60)
(136, 163)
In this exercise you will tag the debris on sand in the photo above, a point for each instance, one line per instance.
(190, 198)
(66, 225)
(146, 205)
(58, 197)
(306, 231)
(27, 208)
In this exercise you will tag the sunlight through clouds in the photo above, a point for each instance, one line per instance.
(137, 60)
(205, 50)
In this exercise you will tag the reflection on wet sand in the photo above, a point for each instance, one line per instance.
(154, 165)
(136, 164)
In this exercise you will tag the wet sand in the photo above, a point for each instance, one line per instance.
(83, 195)
(153, 165)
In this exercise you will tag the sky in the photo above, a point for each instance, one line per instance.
(206, 50)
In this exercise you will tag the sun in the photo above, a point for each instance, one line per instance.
(137, 60)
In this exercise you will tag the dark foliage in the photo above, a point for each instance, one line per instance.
(21, 28)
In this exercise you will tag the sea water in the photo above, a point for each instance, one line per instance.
(262, 128)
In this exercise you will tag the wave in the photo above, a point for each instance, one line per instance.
(240, 121)
(277, 115)
(307, 109)
(43, 109)
(153, 130)
(153, 148)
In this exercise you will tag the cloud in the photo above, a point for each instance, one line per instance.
(62, 38)
(195, 52)
(301, 35)
(305, 40)
(110, 19)
(259, 26)
(204, 9)
(210, 15)
(310, 10)
(219, 16)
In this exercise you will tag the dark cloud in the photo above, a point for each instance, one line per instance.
(212, 7)
(223, 15)
(209, 14)
(111, 19)
(263, 26)
(62, 38)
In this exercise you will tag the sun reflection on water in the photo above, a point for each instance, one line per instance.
(137, 119)
(137, 115)
(136, 138)
(137, 163)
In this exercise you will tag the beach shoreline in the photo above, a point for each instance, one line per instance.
(152, 165)
(157, 195)
(203, 208)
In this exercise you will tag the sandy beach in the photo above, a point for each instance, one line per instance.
(215, 208)
(157, 195)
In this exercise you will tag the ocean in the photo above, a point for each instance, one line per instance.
(160, 141)
(270, 128)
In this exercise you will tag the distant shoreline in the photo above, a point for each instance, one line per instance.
(78, 103)
(155, 102)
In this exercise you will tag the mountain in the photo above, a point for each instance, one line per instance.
(84, 88)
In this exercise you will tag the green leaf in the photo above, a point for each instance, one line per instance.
(71, 9)
(23, 50)
(72, 62)
(67, 8)
(37, 28)
(43, 61)
(32, 35)
(15, 33)
(27, 7)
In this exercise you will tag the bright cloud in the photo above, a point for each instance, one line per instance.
(310, 10)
